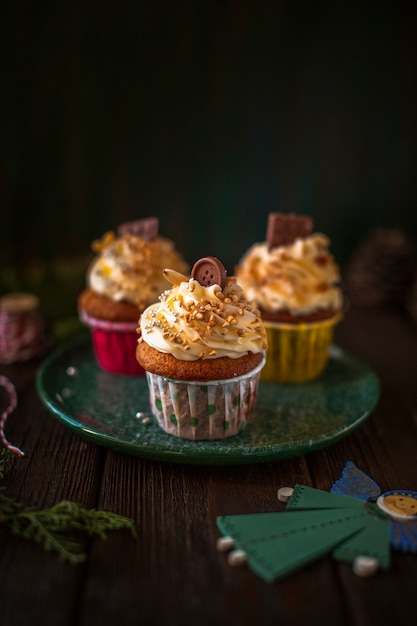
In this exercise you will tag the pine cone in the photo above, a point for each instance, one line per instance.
(382, 270)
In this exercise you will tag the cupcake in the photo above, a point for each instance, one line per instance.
(122, 280)
(293, 280)
(203, 347)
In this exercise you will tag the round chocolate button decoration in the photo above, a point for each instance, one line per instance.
(209, 271)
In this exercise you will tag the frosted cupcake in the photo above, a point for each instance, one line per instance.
(293, 279)
(122, 280)
(203, 347)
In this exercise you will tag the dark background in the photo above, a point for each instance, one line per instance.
(208, 114)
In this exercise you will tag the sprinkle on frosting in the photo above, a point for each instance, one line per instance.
(192, 321)
(130, 268)
(300, 278)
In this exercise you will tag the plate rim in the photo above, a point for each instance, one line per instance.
(202, 456)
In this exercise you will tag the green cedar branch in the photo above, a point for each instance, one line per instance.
(49, 527)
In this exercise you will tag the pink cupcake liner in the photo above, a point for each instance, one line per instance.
(114, 345)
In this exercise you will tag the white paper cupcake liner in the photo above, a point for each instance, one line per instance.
(203, 410)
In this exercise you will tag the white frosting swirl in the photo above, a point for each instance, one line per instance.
(129, 268)
(193, 322)
(301, 278)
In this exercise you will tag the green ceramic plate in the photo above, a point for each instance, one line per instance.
(288, 420)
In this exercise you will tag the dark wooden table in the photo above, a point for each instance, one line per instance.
(172, 573)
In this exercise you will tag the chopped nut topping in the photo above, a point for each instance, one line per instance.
(322, 259)
(198, 321)
(101, 244)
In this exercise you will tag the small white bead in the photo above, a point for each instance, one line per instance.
(237, 557)
(365, 566)
(285, 493)
(225, 543)
(139, 414)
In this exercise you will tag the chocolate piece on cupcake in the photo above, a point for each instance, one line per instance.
(146, 228)
(284, 229)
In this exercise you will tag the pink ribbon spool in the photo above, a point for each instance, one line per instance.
(21, 328)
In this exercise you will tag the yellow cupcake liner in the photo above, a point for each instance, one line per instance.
(297, 352)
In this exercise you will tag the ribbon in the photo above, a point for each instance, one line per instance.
(21, 328)
(9, 387)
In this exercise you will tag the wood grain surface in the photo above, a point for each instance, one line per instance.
(172, 574)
